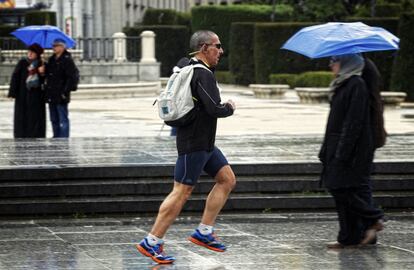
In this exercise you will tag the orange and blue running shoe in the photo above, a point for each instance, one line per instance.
(209, 241)
(156, 253)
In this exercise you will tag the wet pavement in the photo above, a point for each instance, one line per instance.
(130, 151)
(124, 132)
(137, 117)
(255, 241)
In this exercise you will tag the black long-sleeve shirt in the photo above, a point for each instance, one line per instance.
(200, 134)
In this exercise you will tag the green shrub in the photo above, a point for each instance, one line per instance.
(154, 16)
(362, 11)
(5, 30)
(403, 70)
(269, 58)
(219, 19)
(9, 42)
(283, 78)
(317, 10)
(383, 59)
(184, 18)
(171, 44)
(241, 58)
(40, 17)
(224, 77)
(314, 79)
(388, 10)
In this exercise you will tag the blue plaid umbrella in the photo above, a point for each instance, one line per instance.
(44, 35)
(330, 39)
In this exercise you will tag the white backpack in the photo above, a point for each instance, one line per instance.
(176, 100)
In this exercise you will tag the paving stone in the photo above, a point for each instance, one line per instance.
(261, 241)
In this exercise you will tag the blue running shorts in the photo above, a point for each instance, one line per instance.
(189, 166)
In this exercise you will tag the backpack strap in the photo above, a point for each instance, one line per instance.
(201, 66)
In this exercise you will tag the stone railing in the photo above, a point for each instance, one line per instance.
(164, 81)
(102, 91)
(315, 95)
(393, 98)
(269, 90)
(12, 56)
(312, 95)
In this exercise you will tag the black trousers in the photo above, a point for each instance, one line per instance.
(356, 213)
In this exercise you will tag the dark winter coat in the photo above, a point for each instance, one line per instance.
(200, 134)
(348, 150)
(29, 105)
(61, 77)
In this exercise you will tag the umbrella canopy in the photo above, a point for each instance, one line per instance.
(330, 39)
(44, 35)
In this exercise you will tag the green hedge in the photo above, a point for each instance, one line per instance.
(224, 77)
(154, 16)
(219, 19)
(403, 70)
(269, 58)
(5, 30)
(317, 10)
(184, 18)
(40, 17)
(241, 58)
(388, 10)
(314, 79)
(283, 78)
(171, 44)
(384, 59)
(10, 42)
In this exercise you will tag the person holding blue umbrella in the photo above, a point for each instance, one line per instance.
(355, 125)
(347, 153)
(61, 77)
(29, 103)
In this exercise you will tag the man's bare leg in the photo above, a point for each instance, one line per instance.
(171, 208)
(225, 182)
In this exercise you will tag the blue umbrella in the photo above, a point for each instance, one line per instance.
(44, 35)
(330, 39)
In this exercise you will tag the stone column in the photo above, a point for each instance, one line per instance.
(148, 47)
(119, 47)
(149, 68)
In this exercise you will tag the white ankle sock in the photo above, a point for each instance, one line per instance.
(205, 229)
(153, 240)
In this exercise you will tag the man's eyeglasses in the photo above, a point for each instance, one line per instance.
(217, 45)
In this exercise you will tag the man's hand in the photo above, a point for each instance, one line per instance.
(232, 104)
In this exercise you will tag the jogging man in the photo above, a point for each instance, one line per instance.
(197, 153)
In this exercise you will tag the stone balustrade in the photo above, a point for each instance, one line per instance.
(393, 98)
(99, 91)
(164, 81)
(12, 56)
(269, 91)
(313, 95)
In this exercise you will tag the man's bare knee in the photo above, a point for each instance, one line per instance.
(182, 191)
(226, 177)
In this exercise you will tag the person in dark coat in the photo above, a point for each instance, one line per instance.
(25, 88)
(347, 154)
(61, 77)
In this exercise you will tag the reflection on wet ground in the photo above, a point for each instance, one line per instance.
(256, 241)
(77, 152)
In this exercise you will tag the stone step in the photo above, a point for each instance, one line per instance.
(166, 170)
(156, 186)
(146, 204)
